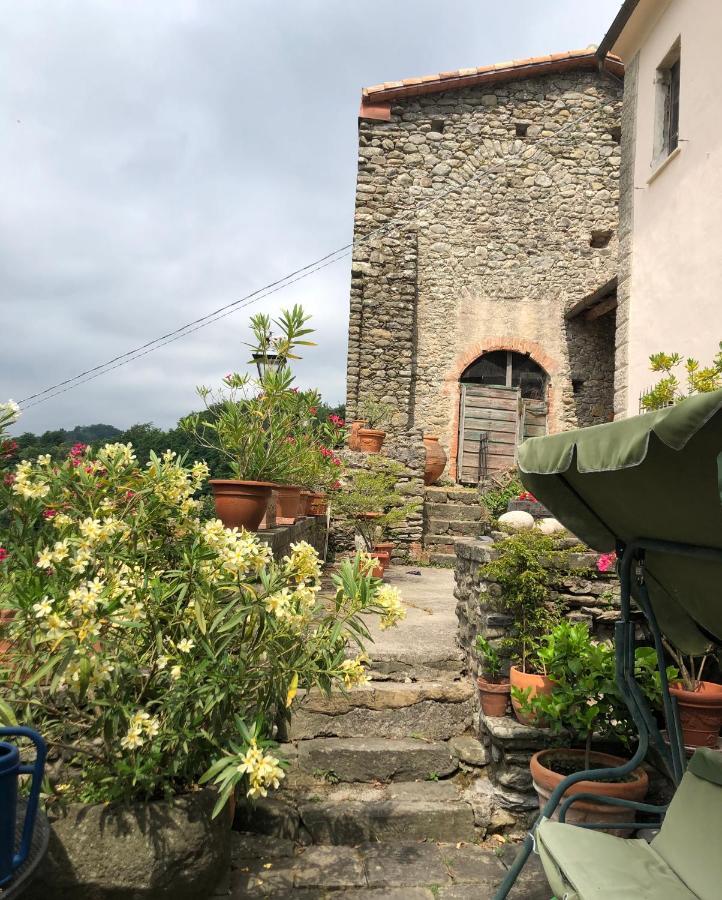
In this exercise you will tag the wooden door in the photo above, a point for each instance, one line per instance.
(489, 424)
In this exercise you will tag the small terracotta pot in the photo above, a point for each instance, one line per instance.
(288, 504)
(435, 459)
(383, 560)
(535, 684)
(317, 504)
(354, 442)
(370, 439)
(700, 713)
(494, 696)
(545, 780)
(385, 547)
(6, 617)
(241, 504)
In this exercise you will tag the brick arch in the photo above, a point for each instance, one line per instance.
(470, 354)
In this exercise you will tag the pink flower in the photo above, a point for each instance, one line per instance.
(129, 495)
(606, 561)
(3, 554)
(77, 450)
(290, 440)
(313, 410)
(8, 479)
(49, 513)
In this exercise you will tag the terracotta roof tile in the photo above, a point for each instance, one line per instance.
(518, 68)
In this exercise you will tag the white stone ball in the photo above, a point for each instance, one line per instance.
(516, 521)
(550, 526)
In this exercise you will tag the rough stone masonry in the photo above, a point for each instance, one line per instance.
(495, 263)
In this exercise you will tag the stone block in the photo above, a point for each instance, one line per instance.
(398, 865)
(376, 759)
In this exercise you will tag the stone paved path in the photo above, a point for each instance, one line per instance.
(386, 796)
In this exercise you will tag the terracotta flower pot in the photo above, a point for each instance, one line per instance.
(700, 713)
(6, 617)
(354, 443)
(494, 696)
(241, 504)
(546, 779)
(370, 439)
(528, 681)
(288, 504)
(383, 560)
(317, 504)
(305, 506)
(385, 547)
(435, 459)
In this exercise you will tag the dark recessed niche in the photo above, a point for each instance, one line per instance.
(616, 134)
(521, 128)
(577, 385)
(600, 237)
(437, 125)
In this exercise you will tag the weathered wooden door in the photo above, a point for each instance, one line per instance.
(493, 420)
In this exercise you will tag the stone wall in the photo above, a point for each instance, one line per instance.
(494, 263)
(311, 529)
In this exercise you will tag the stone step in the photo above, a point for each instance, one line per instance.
(433, 710)
(451, 494)
(442, 559)
(453, 512)
(371, 759)
(452, 527)
(354, 814)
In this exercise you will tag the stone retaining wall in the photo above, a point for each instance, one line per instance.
(311, 529)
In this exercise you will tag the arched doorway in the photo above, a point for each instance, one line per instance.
(502, 402)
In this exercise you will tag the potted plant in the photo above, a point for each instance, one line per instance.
(323, 464)
(699, 702)
(154, 650)
(493, 688)
(584, 703)
(368, 499)
(254, 424)
(522, 568)
(375, 416)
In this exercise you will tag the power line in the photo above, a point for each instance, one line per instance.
(298, 274)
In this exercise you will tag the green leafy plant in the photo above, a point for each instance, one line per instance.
(690, 673)
(368, 499)
(492, 663)
(375, 413)
(149, 646)
(668, 391)
(502, 487)
(524, 567)
(585, 699)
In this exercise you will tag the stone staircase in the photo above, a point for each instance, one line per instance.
(393, 764)
(450, 513)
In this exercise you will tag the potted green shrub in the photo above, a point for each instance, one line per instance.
(584, 703)
(256, 425)
(699, 702)
(369, 501)
(493, 686)
(375, 416)
(155, 650)
(522, 567)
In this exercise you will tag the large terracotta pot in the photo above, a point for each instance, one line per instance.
(288, 504)
(241, 504)
(545, 780)
(435, 459)
(535, 684)
(370, 439)
(700, 713)
(317, 504)
(305, 506)
(494, 696)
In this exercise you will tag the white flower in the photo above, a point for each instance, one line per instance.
(162, 662)
(45, 559)
(44, 459)
(186, 645)
(43, 608)
(175, 672)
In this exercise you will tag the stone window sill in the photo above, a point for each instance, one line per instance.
(661, 166)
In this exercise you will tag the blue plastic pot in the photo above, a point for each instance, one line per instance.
(10, 769)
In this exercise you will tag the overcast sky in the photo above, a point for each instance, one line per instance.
(161, 158)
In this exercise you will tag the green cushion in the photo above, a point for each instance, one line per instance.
(691, 837)
(706, 764)
(581, 864)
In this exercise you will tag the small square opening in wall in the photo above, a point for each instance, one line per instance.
(577, 385)
(521, 128)
(437, 125)
(616, 134)
(600, 237)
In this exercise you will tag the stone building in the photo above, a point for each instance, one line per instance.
(483, 275)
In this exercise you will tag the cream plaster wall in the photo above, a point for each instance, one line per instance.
(676, 274)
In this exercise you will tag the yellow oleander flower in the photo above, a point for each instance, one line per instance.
(389, 599)
(45, 559)
(43, 608)
(44, 459)
(353, 672)
(185, 645)
(60, 550)
(292, 690)
(175, 672)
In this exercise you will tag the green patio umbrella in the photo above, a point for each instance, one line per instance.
(655, 476)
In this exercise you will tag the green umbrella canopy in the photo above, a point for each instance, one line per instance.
(654, 476)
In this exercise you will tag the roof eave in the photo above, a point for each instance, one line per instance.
(616, 28)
